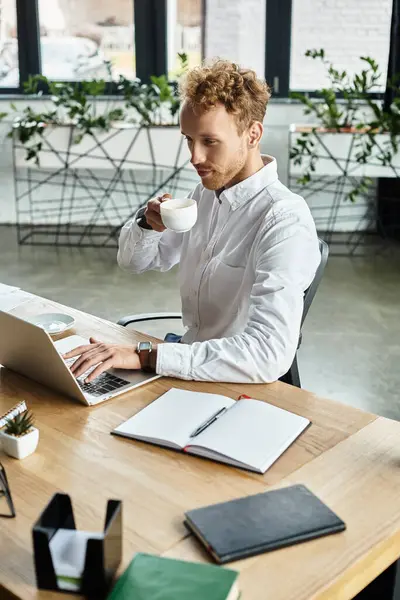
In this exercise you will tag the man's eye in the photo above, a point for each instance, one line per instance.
(209, 142)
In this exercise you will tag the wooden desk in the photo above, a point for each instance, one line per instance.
(349, 458)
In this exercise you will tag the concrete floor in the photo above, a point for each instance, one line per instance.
(351, 339)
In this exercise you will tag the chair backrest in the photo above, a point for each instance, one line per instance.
(311, 291)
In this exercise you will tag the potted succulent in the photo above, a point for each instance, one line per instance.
(19, 437)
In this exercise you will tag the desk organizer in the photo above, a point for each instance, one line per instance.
(102, 555)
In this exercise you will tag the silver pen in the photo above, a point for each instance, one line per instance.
(208, 422)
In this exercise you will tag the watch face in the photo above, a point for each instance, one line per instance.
(144, 346)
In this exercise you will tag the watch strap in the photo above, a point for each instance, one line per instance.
(141, 219)
(144, 358)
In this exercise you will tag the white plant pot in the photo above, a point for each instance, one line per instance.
(163, 145)
(339, 146)
(20, 447)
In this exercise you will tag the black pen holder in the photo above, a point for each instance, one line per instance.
(102, 556)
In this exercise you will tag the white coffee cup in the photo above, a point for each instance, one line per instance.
(179, 214)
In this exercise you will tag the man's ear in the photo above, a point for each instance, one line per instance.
(256, 130)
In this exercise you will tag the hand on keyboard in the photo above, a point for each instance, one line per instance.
(99, 357)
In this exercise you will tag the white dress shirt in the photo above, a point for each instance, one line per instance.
(243, 270)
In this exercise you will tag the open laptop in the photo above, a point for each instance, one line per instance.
(30, 351)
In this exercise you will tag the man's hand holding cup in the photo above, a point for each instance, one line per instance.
(152, 212)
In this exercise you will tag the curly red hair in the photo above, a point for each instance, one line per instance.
(223, 82)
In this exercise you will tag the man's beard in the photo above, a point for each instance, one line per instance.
(219, 179)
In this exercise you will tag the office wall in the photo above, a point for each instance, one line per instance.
(235, 30)
(346, 29)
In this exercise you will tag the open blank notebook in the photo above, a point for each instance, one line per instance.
(245, 433)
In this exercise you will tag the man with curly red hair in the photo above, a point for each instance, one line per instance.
(245, 264)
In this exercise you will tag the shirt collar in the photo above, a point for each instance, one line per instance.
(245, 190)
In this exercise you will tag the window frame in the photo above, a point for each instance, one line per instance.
(278, 26)
(278, 41)
(150, 26)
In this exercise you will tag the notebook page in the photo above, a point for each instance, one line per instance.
(9, 408)
(253, 433)
(173, 416)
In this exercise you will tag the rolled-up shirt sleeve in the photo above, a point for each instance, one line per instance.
(287, 259)
(141, 250)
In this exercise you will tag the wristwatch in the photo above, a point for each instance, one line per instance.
(143, 350)
(141, 219)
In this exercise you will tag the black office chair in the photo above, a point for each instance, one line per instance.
(292, 376)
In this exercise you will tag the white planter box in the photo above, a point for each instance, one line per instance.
(338, 145)
(163, 146)
(20, 447)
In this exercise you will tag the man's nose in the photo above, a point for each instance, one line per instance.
(198, 155)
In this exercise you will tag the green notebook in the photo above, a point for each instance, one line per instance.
(151, 577)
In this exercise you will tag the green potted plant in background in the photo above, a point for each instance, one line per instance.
(19, 437)
(84, 161)
(74, 118)
(153, 110)
(155, 103)
(352, 132)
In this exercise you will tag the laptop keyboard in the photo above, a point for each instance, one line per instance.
(103, 384)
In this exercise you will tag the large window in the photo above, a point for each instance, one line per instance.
(185, 32)
(9, 72)
(72, 40)
(346, 31)
(78, 38)
(75, 40)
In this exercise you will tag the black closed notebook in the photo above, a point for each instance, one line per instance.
(255, 524)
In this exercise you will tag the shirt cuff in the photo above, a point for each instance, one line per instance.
(174, 360)
(145, 234)
(141, 219)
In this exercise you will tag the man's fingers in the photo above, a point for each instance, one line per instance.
(157, 227)
(99, 370)
(86, 362)
(91, 362)
(83, 358)
(155, 222)
(153, 205)
(165, 197)
(153, 217)
(152, 212)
